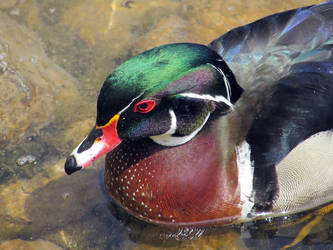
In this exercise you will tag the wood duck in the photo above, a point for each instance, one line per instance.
(222, 133)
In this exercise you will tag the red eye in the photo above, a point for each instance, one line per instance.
(144, 106)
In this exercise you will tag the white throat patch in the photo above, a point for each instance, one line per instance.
(167, 139)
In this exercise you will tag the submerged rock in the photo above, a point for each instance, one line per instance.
(26, 159)
(31, 245)
(7, 3)
(31, 85)
(64, 200)
(35, 94)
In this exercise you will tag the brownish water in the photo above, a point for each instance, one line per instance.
(54, 56)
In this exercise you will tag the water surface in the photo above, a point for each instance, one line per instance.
(54, 56)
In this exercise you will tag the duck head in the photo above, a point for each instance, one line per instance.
(166, 94)
(157, 101)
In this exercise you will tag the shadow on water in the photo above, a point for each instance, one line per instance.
(54, 55)
(80, 207)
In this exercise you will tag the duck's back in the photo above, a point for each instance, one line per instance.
(263, 51)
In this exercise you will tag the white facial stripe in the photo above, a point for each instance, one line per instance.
(217, 98)
(167, 139)
(225, 79)
(245, 177)
(130, 103)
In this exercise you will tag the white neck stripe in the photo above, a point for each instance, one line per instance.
(167, 139)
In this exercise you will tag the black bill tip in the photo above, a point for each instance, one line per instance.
(71, 166)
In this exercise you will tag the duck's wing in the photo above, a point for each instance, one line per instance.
(263, 51)
(301, 106)
(292, 52)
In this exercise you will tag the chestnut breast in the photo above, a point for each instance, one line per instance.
(174, 185)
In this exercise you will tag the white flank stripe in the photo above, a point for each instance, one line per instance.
(245, 177)
(217, 98)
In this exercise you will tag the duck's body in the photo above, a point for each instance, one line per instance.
(285, 64)
(177, 159)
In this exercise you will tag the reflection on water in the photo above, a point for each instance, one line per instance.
(54, 55)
